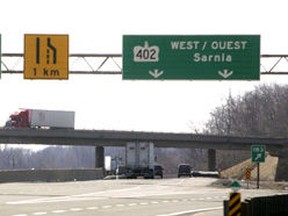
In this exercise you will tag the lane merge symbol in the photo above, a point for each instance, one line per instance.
(46, 57)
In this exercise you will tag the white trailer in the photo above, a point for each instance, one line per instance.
(107, 162)
(51, 118)
(140, 159)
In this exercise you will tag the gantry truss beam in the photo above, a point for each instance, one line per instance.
(13, 63)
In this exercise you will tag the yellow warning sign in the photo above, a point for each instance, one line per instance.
(248, 174)
(46, 56)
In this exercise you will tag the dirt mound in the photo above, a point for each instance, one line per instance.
(267, 169)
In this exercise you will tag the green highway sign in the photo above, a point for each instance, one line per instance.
(258, 153)
(192, 57)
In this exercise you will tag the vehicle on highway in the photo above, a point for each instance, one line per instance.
(158, 171)
(184, 170)
(139, 160)
(36, 118)
(211, 174)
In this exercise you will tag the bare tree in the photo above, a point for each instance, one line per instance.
(262, 112)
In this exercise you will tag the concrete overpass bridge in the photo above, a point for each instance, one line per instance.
(102, 138)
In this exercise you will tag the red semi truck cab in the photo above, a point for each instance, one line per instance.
(19, 120)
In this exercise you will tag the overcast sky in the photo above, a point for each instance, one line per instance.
(108, 102)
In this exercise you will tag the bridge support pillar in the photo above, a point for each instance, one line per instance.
(281, 172)
(211, 159)
(99, 157)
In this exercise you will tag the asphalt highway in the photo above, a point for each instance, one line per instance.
(141, 197)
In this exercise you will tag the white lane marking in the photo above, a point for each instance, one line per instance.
(76, 209)
(59, 211)
(101, 195)
(53, 200)
(77, 197)
(132, 204)
(120, 205)
(92, 208)
(40, 213)
(191, 211)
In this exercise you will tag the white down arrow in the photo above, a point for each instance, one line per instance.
(225, 73)
(156, 73)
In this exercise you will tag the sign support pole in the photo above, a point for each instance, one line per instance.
(258, 174)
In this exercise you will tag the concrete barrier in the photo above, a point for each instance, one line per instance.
(271, 205)
(51, 175)
(275, 205)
